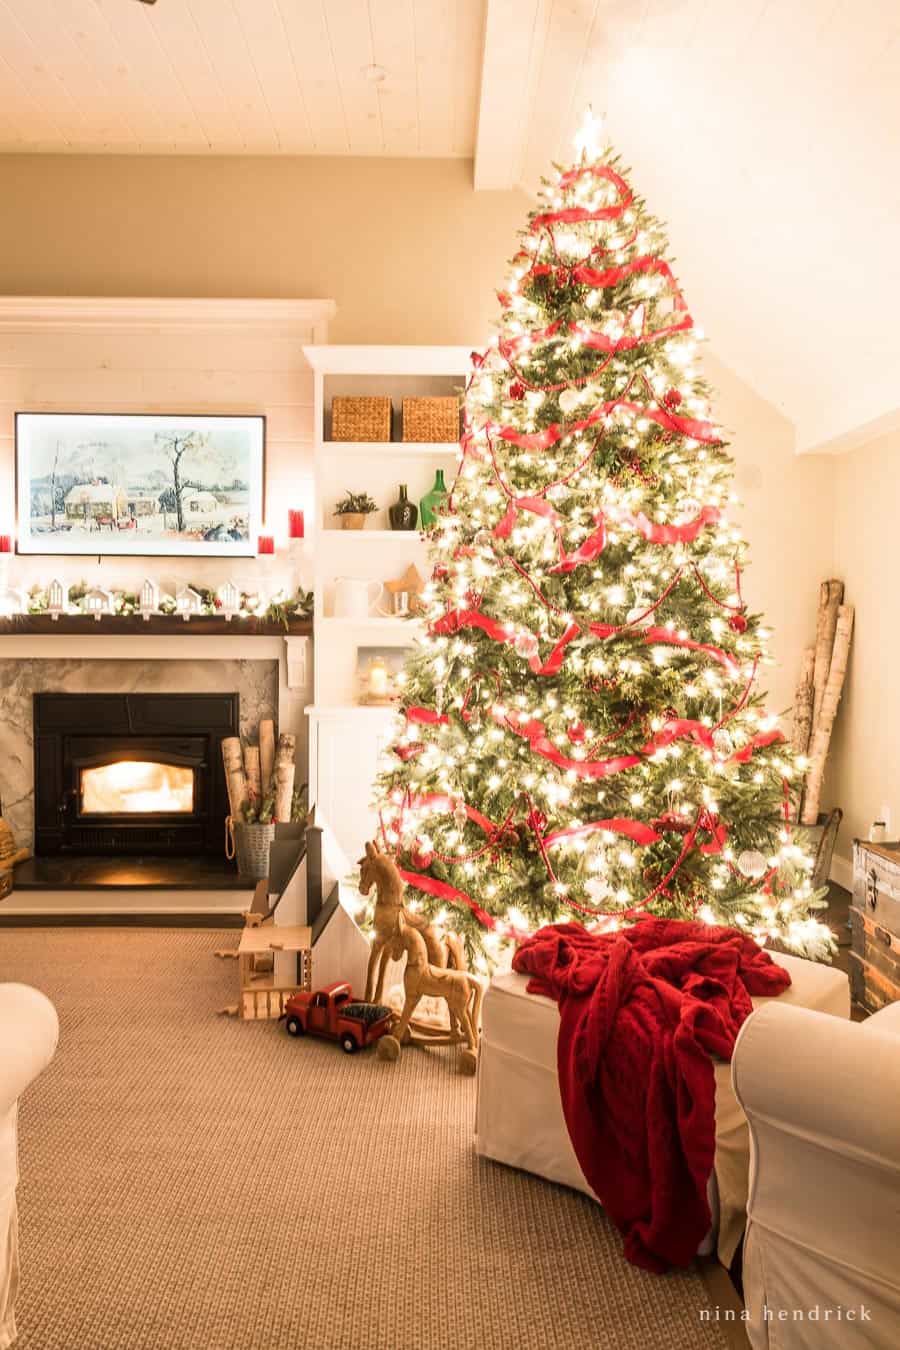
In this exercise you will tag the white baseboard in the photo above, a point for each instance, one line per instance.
(842, 871)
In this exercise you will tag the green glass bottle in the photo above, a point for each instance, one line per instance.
(432, 502)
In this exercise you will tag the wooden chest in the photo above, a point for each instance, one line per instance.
(875, 921)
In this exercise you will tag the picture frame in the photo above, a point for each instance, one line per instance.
(139, 484)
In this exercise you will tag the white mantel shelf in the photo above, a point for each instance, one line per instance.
(41, 312)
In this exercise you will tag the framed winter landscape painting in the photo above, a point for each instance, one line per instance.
(139, 484)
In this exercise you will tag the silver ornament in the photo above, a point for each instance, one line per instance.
(722, 742)
(569, 400)
(751, 863)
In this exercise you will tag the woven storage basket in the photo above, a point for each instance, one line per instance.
(360, 419)
(251, 846)
(431, 419)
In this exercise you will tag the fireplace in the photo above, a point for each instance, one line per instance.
(131, 773)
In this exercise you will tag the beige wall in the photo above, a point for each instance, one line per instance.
(787, 504)
(411, 254)
(406, 248)
(863, 772)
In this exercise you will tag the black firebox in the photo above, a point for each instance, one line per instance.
(131, 773)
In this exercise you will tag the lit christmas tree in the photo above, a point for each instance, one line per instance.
(583, 735)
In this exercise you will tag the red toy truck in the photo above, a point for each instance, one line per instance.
(333, 1012)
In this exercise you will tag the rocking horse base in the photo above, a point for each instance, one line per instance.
(388, 1047)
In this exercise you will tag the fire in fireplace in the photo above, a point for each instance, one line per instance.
(136, 787)
(131, 773)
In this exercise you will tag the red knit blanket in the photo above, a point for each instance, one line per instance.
(642, 1012)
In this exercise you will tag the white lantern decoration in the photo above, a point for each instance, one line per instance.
(98, 602)
(57, 599)
(230, 596)
(188, 602)
(149, 599)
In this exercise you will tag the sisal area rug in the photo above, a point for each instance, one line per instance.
(190, 1182)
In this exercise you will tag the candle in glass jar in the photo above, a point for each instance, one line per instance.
(378, 679)
(266, 544)
(296, 525)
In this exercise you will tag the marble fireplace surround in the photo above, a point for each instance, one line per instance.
(120, 665)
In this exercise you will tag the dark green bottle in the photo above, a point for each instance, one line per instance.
(403, 514)
(433, 501)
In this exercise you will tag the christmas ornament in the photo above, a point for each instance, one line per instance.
(483, 539)
(597, 889)
(517, 390)
(671, 399)
(422, 854)
(751, 863)
(577, 733)
(526, 645)
(569, 400)
(459, 814)
(722, 743)
(737, 623)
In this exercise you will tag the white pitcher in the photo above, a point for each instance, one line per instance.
(354, 597)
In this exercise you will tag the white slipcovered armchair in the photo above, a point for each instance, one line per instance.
(822, 1098)
(28, 1033)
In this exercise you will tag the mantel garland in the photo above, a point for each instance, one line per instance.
(279, 608)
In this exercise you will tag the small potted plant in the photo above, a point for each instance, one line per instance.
(353, 509)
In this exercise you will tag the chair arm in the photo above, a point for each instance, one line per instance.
(821, 1078)
(886, 1020)
(29, 1030)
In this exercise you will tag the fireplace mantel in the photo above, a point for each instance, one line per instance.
(159, 625)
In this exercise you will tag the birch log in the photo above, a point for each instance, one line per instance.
(234, 774)
(266, 755)
(821, 735)
(251, 770)
(831, 595)
(284, 775)
(801, 729)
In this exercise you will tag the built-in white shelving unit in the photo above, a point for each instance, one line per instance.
(346, 737)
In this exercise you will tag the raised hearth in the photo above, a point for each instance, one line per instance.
(65, 873)
(131, 773)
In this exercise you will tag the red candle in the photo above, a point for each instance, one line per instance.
(266, 544)
(296, 527)
(5, 543)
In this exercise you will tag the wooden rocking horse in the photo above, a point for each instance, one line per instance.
(435, 965)
(461, 991)
(379, 869)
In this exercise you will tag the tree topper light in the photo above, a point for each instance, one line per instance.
(589, 140)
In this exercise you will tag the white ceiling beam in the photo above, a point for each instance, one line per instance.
(514, 35)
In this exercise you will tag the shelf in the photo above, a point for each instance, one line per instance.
(407, 536)
(350, 359)
(384, 449)
(375, 711)
(411, 626)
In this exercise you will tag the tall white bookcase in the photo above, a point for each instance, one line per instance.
(346, 738)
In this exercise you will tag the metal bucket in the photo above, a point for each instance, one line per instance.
(251, 847)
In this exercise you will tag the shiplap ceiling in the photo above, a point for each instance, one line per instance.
(240, 76)
(766, 132)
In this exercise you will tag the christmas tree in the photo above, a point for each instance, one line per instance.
(583, 736)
